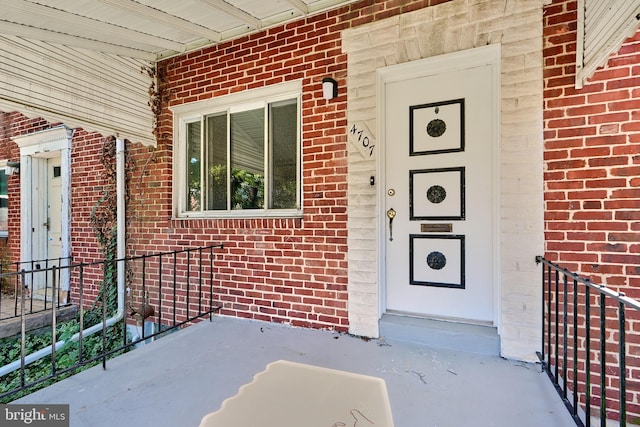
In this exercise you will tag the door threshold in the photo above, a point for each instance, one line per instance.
(437, 333)
(458, 320)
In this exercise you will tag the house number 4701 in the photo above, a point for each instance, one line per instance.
(361, 137)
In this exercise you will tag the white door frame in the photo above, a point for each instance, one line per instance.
(486, 55)
(49, 143)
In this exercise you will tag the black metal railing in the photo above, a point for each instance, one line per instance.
(585, 347)
(167, 291)
(35, 286)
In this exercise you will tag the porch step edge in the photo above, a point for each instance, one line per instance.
(13, 326)
(440, 334)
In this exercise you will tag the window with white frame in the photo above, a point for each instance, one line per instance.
(239, 155)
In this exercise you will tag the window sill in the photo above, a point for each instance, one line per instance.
(245, 214)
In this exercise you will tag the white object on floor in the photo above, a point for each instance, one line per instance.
(288, 394)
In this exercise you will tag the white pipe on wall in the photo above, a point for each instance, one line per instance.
(121, 182)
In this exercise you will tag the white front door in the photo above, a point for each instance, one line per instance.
(439, 132)
(54, 210)
(46, 199)
(45, 188)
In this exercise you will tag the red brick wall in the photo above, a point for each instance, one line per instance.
(592, 201)
(592, 158)
(282, 270)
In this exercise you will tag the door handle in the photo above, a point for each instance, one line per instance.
(391, 213)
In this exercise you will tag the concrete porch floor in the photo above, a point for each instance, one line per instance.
(10, 308)
(178, 379)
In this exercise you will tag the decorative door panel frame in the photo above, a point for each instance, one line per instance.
(443, 272)
(443, 189)
(444, 130)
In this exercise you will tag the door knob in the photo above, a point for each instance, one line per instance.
(391, 213)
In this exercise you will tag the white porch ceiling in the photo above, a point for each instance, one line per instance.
(79, 62)
(148, 29)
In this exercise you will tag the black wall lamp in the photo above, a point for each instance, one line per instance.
(329, 88)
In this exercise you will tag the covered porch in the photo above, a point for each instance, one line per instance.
(449, 377)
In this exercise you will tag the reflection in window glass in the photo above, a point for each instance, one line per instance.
(194, 160)
(247, 159)
(4, 204)
(283, 142)
(4, 189)
(217, 162)
(243, 159)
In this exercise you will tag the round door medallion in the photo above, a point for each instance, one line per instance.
(436, 260)
(436, 194)
(436, 128)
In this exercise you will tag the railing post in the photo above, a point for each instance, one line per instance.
(125, 266)
(104, 314)
(199, 281)
(557, 316)
(565, 331)
(188, 279)
(19, 288)
(175, 267)
(542, 282)
(623, 363)
(144, 295)
(603, 362)
(211, 284)
(53, 321)
(549, 350)
(160, 290)
(575, 348)
(23, 332)
(31, 273)
(587, 339)
(81, 310)
(46, 282)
